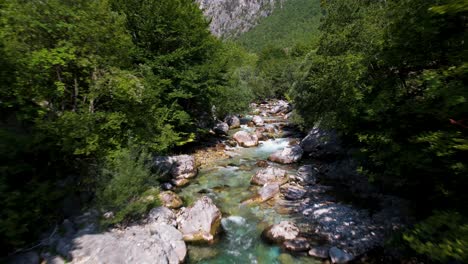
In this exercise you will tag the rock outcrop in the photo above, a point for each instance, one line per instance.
(288, 155)
(200, 222)
(230, 18)
(321, 143)
(136, 244)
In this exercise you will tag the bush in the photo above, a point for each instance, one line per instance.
(442, 237)
(127, 187)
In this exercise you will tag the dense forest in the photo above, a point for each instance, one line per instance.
(91, 90)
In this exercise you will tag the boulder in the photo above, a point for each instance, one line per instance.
(268, 191)
(136, 244)
(339, 256)
(200, 222)
(319, 252)
(245, 139)
(170, 200)
(306, 174)
(232, 121)
(281, 107)
(221, 128)
(321, 143)
(258, 121)
(288, 155)
(299, 244)
(178, 168)
(161, 215)
(281, 232)
(269, 175)
(293, 192)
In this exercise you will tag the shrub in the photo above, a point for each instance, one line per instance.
(127, 186)
(442, 237)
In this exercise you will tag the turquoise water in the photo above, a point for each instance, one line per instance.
(227, 182)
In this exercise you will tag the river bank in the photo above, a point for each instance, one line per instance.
(258, 192)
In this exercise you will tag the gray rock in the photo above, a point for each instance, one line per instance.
(282, 107)
(288, 155)
(245, 139)
(339, 256)
(30, 257)
(281, 232)
(178, 168)
(232, 121)
(170, 199)
(319, 252)
(232, 18)
(307, 174)
(162, 215)
(321, 143)
(268, 191)
(293, 192)
(221, 128)
(299, 244)
(269, 175)
(200, 222)
(258, 121)
(136, 244)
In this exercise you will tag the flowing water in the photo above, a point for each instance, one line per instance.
(227, 182)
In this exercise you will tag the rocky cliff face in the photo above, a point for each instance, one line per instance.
(231, 18)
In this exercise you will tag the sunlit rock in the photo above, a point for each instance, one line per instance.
(200, 222)
(269, 175)
(245, 139)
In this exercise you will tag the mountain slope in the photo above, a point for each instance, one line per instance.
(231, 18)
(296, 22)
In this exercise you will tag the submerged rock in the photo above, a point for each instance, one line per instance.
(281, 232)
(269, 175)
(245, 139)
(321, 143)
(200, 222)
(170, 200)
(232, 121)
(288, 155)
(221, 128)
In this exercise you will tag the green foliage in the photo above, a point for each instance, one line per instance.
(391, 76)
(127, 187)
(443, 236)
(80, 79)
(290, 23)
